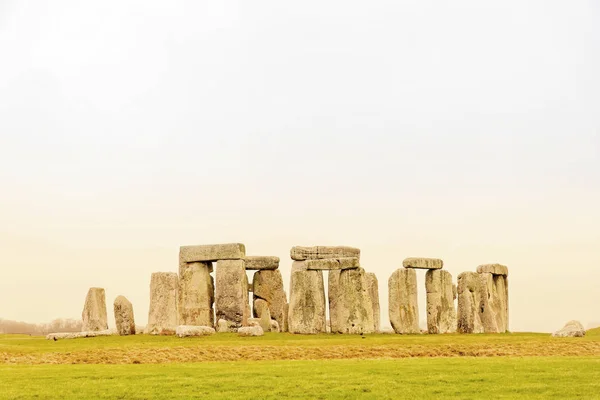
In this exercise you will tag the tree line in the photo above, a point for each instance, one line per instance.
(57, 325)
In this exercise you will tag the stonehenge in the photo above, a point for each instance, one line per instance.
(211, 292)
(124, 316)
(94, 311)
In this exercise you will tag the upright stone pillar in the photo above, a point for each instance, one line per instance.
(496, 277)
(268, 285)
(124, 316)
(231, 296)
(403, 306)
(441, 316)
(162, 317)
(373, 285)
(306, 314)
(94, 311)
(196, 294)
(351, 308)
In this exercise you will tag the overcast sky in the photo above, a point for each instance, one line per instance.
(464, 130)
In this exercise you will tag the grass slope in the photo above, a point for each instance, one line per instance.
(416, 378)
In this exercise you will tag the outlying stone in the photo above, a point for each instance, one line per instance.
(255, 330)
(268, 285)
(423, 263)
(78, 335)
(231, 296)
(124, 316)
(261, 263)
(403, 306)
(94, 311)
(350, 305)
(441, 315)
(162, 317)
(196, 294)
(212, 252)
(495, 269)
(300, 253)
(571, 329)
(190, 330)
(373, 286)
(329, 264)
(306, 313)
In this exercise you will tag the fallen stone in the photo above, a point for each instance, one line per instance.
(251, 331)
(268, 285)
(231, 295)
(350, 305)
(78, 335)
(196, 294)
(495, 269)
(94, 311)
(300, 253)
(571, 329)
(261, 263)
(329, 264)
(441, 315)
(212, 252)
(403, 306)
(124, 316)
(162, 317)
(423, 263)
(373, 286)
(306, 314)
(191, 331)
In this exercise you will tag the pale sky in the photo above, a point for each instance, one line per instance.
(464, 130)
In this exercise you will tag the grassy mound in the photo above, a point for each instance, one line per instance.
(593, 332)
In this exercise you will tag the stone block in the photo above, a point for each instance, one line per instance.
(495, 269)
(329, 264)
(212, 252)
(261, 263)
(300, 253)
(423, 263)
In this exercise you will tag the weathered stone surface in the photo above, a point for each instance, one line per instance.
(300, 253)
(78, 335)
(231, 296)
(275, 326)
(373, 286)
(497, 288)
(454, 291)
(124, 316)
(306, 314)
(224, 326)
(94, 311)
(403, 306)
(268, 285)
(261, 262)
(191, 331)
(441, 315)
(212, 252)
(329, 264)
(196, 294)
(261, 310)
(423, 263)
(496, 269)
(251, 331)
(571, 329)
(253, 322)
(475, 314)
(350, 305)
(162, 317)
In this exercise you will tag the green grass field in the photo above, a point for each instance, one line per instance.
(292, 366)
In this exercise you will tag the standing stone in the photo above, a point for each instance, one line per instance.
(124, 316)
(306, 314)
(350, 305)
(94, 311)
(268, 285)
(263, 313)
(196, 294)
(300, 253)
(454, 291)
(475, 314)
(496, 276)
(333, 284)
(373, 286)
(403, 306)
(441, 316)
(162, 317)
(231, 295)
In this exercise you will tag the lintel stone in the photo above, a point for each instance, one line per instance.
(300, 253)
(261, 262)
(423, 263)
(212, 252)
(494, 269)
(333, 263)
